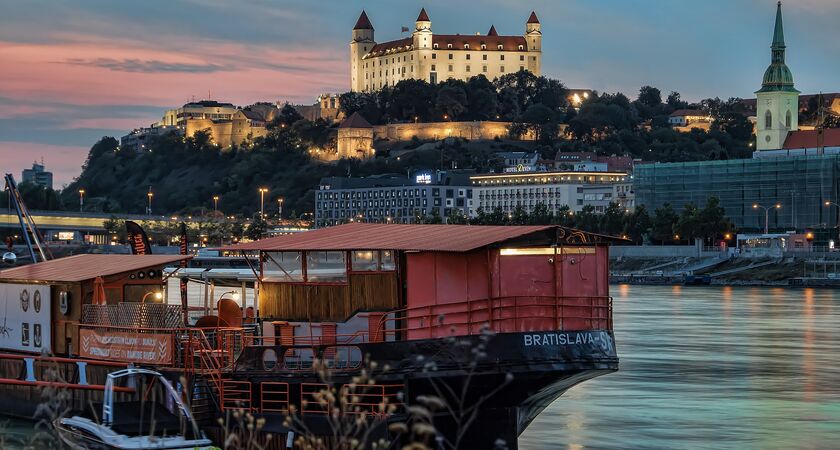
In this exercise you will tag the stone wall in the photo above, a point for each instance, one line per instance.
(442, 130)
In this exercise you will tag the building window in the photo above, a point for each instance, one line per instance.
(434, 55)
(787, 119)
(502, 69)
(483, 46)
(466, 46)
(435, 46)
(468, 68)
(326, 266)
(468, 56)
(450, 56)
(522, 57)
(450, 67)
(501, 57)
(484, 68)
(433, 68)
(484, 57)
(521, 47)
(501, 47)
(448, 45)
(768, 120)
(283, 267)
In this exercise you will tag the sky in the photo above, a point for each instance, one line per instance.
(74, 71)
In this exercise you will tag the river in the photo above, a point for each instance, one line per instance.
(709, 368)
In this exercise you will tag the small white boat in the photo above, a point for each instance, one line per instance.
(136, 425)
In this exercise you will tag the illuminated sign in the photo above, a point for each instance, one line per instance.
(423, 178)
(66, 235)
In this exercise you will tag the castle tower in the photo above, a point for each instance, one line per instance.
(422, 39)
(362, 42)
(777, 105)
(533, 36)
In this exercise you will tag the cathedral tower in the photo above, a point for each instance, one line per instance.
(533, 37)
(777, 108)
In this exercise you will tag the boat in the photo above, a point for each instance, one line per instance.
(482, 327)
(135, 425)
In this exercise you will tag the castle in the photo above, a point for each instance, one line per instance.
(437, 57)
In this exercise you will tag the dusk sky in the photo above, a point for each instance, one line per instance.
(73, 71)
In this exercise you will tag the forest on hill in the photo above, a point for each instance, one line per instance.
(186, 173)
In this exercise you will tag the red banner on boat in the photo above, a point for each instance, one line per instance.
(137, 239)
(143, 348)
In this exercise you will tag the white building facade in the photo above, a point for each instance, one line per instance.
(552, 189)
(438, 57)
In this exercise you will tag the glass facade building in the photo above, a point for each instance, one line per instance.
(801, 185)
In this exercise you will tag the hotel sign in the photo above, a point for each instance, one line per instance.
(142, 348)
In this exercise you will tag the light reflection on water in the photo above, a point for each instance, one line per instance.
(709, 368)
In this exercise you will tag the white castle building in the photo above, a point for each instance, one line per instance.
(437, 57)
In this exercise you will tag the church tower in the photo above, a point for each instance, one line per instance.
(422, 40)
(360, 45)
(533, 37)
(777, 108)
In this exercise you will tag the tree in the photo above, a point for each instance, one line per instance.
(664, 221)
(587, 219)
(638, 224)
(650, 96)
(412, 99)
(688, 225)
(256, 229)
(612, 221)
(675, 101)
(712, 221)
(451, 101)
(519, 216)
(540, 215)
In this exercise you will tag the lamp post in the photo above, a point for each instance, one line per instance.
(767, 213)
(280, 207)
(149, 194)
(262, 201)
(81, 199)
(215, 203)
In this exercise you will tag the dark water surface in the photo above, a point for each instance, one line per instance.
(709, 368)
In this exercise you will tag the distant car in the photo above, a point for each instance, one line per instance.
(659, 273)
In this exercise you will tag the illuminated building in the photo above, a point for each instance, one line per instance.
(438, 57)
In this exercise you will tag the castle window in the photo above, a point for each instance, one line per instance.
(787, 119)
(433, 68)
(450, 67)
(436, 46)
(468, 56)
(521, 47)
(468, 68)
(484, 68)
(501, 47)
(502, 69)
(522, 57)
(450, 56)
(434, 55)
(448, 45)
(484, 57)
(483, 46)
(466, 46)
(521, 67)
(768, 120)
(501, 57)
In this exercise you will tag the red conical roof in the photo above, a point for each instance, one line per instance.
(356, 120)
(533, 18)
(423, 17)
(492, 31)
(363, 23)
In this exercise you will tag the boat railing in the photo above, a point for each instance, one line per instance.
(70, 373)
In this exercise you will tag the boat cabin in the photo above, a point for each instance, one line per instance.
(373, 282)
(44, 303)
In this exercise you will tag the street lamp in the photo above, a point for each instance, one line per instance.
(767, 213)
(150, 194)
(215, 203)
(81, 199)
(829, 204)
(280, 207)
(262, 201)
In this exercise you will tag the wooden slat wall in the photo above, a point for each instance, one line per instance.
(329, 303)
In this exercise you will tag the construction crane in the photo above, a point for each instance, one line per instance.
(28, 229)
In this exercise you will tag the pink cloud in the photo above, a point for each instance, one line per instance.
(64, 161)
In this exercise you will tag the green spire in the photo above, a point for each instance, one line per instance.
(779, 32)
(778, 77)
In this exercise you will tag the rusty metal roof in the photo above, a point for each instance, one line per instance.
(86, 267)
(373, 236)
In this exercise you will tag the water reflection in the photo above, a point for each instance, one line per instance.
(731, 368)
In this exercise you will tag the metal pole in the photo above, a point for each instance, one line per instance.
(766, 218)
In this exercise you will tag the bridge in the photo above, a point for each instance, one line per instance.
(70, 226)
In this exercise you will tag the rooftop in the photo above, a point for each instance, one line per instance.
(374, 236)
(78, 268)
(811, 139)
